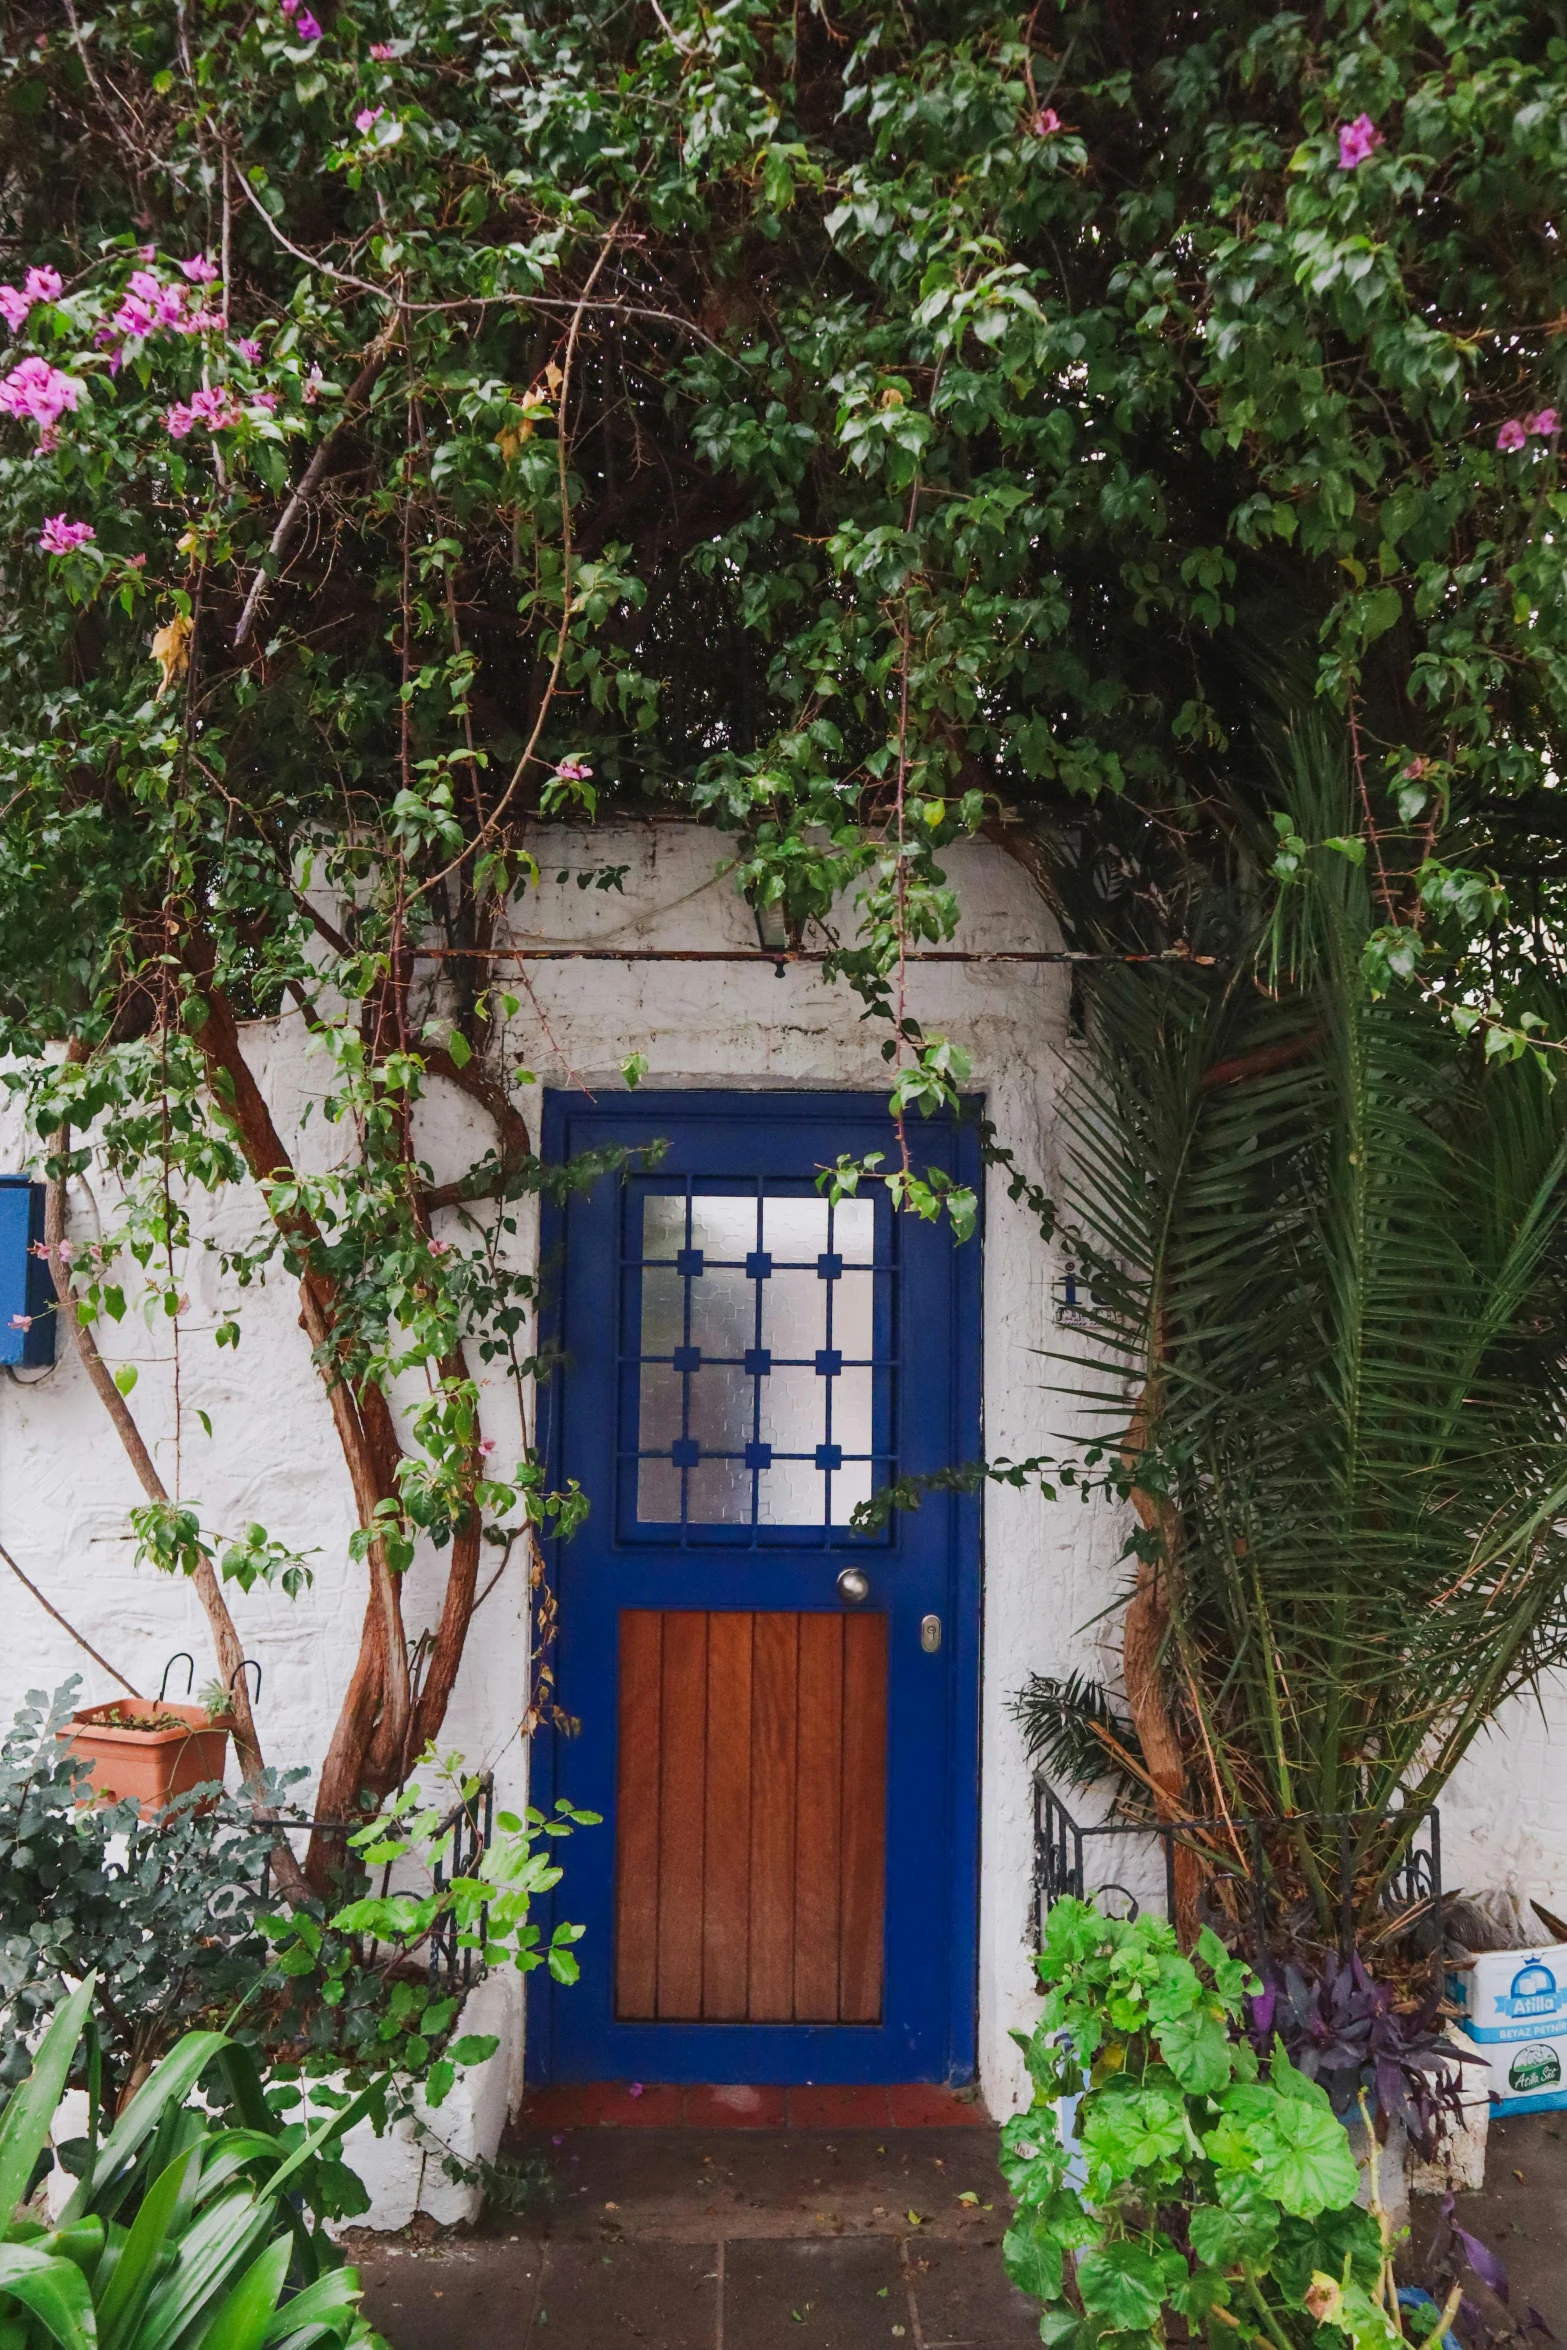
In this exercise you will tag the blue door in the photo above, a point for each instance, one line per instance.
(778, 1715)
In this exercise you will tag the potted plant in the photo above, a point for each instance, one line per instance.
(152, 1749)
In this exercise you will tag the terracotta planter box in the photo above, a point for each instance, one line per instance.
(152, 1765)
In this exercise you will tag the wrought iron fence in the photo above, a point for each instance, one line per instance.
(1073, 1858)
(470, 1828)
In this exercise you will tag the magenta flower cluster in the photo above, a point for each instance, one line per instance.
(39, 285)
(303, 22)
(59, 537)
(1519, 430)
(573, 771)
(367, 118)
(149, 305)
(382, 50)
(1358, 141)
(34, 388)
(217, 409)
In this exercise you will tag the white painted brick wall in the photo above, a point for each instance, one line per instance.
(65, 1488)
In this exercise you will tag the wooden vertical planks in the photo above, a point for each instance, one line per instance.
(774, 1738)
(727, 1874)
(864, 1818)
(751, 1837)
(681, 1814)
(636, 1835)
(818, 1820)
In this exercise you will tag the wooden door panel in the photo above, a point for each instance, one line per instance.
(864, 1813)
(775, 1711)
(751, 1845)
(726, 1878)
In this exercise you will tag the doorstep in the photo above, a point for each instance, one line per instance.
(909, 2105)
(683, 2236)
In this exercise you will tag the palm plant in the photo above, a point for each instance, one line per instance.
(185, 2229)
(1323, 1230)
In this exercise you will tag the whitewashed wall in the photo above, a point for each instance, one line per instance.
(65, 1487)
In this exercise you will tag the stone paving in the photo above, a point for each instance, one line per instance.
(685, 2236)
(708, 2239)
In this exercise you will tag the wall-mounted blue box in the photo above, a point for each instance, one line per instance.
(26, 1286)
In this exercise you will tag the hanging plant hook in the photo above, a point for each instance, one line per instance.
(244, 1662)
(190, 1673)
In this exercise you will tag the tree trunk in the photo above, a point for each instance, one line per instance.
(226, 1641)
(1144, 1631)
(379, 1729)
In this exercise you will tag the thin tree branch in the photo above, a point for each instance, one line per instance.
(50, 1609)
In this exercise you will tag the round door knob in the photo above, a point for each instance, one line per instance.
(854, 1585)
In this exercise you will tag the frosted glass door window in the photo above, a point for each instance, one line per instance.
(756, 1388)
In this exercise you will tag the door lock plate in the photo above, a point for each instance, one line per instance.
(930, 1634)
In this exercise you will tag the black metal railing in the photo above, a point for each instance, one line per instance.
(1238, 1851)
(470, 1827)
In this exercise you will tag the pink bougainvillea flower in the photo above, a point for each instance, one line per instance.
(266, 402)
(21, 1321)
(440, 1248)
(249, 350)
(1543, 425)
(1511, 435)
(1357, 141)
(199, 270)
(486, 1446)
(367, 118)
(1046, 123)
(635, 2089)
(40, 391)
(178, 421)
(289, 7)
(214, 408)
(382, 50)
(42, 285)
(313, 382)
(573, 771)
(59, 537)
(306, 26)
(137, 563)
(14, 307)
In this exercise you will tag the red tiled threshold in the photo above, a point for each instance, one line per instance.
(911, 2105)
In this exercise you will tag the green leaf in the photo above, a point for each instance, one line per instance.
(169, 2084)
(474, 2048)
(1124, 2284)
(141, 2255)
(1033, 2257)
(1380, 612)
(332, 2301)
(246, 2316)
(24, 2129)
(1196, 2048)
(125, 1379)
(1304, 2158)
(1243, 2227)
(54, 2291)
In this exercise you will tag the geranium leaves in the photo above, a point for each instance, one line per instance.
(1179, 2179)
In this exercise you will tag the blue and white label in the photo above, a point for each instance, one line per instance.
(1533, 1992)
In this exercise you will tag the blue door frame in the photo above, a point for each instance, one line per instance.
(926, 1564)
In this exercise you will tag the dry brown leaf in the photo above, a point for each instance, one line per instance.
(171, 651)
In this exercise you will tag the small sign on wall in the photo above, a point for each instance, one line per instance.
(1073, 1300)
(27, 1302)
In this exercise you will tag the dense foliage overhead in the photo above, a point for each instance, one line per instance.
(948, 393)
(853, 427)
